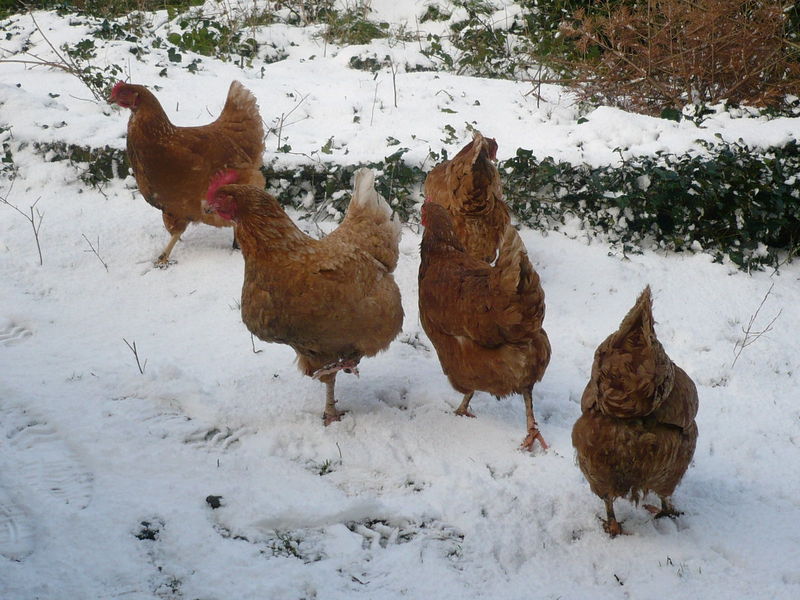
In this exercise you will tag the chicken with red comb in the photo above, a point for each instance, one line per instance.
(174, 166)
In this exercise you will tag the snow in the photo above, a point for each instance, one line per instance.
(401, 498)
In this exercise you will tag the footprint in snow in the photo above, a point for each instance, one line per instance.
(11, 333)
(221, 438)
(34, 457)
(16, 529)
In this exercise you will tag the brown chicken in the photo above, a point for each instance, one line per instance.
(174, 165)
(468, 186)
(637, 432)
(485, 321)
(333, 300)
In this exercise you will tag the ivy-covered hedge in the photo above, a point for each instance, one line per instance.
(323, 189)
(732, 201)
(736, 201)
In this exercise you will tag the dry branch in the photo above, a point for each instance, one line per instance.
(133, 349)
(751, 336)
(96, 251)
(35, 219)
(668, 53)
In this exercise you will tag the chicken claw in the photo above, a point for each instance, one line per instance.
(613, 528)
(163, 263)
(666, 510)
(348, 366)
(463, 408)
(533, 427)
(610, 525)
(533, 435)
(336, 415)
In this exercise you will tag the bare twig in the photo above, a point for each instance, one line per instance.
(65, 62)
(393, 67)
(282, 120)
(136, 355)
(374, 101)
(667, 53)
(95, 250)
(280, 130)
(70, 62)
(35, 219)
(750, 336)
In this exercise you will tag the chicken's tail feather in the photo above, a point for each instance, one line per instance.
(635, 374)
(240, 98)
(510, 253)
(640, 317)
(241, 106)
(366, 199)
(370, 214)
(516, 276)
(482, 146)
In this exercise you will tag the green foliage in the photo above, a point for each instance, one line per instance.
(304, 12)
(210, 37)
(480, 44)
(501, 44)
(7, 165)
(434, 13)
(291, 544)
(95, 166)
(99, 80)
(98, 8)
(286, 545)
(323, 189)
(543, 20)
(351, 26)
(736, 202)
(370, 62)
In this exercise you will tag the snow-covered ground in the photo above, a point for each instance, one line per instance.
(108, 476)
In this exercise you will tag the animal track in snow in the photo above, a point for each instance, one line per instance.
(222, 438)
(16, 529)
(37, 458)
(12, 333)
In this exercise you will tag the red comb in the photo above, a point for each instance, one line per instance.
(217, 181)
(116, 88)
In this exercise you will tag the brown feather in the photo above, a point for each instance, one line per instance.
(174, 165)
(485, 321)
(332, 299)
(469, 187)
(637, 431)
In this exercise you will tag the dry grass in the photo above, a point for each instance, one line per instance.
(667, 53)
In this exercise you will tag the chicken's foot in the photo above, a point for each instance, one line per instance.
(463, 408)
(331, 414)
(611, 526)
(162, 262)
(348, 366)
(667, 509)
(533, 428)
